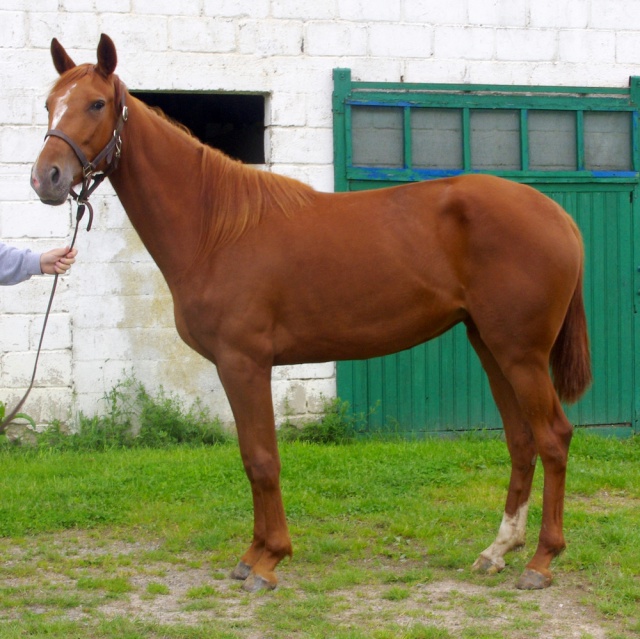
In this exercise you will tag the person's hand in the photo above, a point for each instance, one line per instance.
(57, 261)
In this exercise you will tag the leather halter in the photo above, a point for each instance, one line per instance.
(91, 177)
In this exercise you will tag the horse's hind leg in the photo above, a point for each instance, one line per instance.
(522, 450)
(552, 432)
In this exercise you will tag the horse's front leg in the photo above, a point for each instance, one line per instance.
(248, 387)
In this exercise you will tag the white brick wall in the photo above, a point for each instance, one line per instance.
(112, 315)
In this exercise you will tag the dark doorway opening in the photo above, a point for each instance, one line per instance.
(231, 122)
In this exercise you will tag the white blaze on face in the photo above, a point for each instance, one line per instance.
(511, 535)
(61, 107)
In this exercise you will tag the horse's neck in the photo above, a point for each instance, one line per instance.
(158, 182)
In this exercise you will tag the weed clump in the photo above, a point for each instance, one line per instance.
(336, 425)
(136, 418)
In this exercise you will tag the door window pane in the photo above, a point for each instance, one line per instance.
(377, 136)
(607, 141)
(495, 140)
(552, 141)
(436, 138)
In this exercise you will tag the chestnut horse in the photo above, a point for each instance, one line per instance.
(266, 271)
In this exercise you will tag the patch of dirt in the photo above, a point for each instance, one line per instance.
(189, 591)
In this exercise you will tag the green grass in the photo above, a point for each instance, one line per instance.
(87, 535)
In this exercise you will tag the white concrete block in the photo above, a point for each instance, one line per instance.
(402, 41)
(57, 335)
(526, 45)
(202, 34)
(14, 332)
(74, 30)
(20, 144)
(142, 33)
(435, 12)
(370, 10)
(270, 37)
(335, 38)
(627, 47)
(303, 9)
(464, 43)
(54, 369)
(554, 14)
(577, 45)
(303, 146)
(237, 8)
(13, 31)
(504, 13)
(166, 7)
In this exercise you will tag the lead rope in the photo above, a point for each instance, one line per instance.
(79, 214)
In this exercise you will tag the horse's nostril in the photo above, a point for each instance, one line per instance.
(55, 175)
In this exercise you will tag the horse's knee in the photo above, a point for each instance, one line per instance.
(263, 470)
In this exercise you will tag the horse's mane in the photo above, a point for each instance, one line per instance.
(235, 197)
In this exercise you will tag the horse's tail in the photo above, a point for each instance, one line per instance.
(570, 356)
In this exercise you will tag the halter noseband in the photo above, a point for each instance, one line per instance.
(91, 177)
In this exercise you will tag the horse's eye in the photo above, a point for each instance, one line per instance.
(98, 105)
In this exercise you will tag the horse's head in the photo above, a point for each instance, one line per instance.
(83, 109)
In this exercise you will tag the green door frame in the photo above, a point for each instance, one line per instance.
(521, 99)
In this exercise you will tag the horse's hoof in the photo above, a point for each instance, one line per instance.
(533, 580)
(241, 571)
(487, 566)
(256, 583)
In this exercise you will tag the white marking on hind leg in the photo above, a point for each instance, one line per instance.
(510, 535)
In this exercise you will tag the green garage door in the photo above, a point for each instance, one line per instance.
(580, 147)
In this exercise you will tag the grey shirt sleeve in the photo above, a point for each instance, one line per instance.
(17, 265)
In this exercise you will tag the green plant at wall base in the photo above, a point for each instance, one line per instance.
(136, 418)
(335, 425)
(18, 415)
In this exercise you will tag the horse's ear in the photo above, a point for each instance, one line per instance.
(107, 57)
(61, 60)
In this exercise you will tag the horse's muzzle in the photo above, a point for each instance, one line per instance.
(51, 183)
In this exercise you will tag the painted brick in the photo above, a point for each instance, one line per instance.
(614, 14)
(41, 220)
(13, 31)
(288, 109)
(628, 49)
(202, 34)
(302, 146)
(237, 8)
(74, 30)
(166, 7)
(586, 46)
(20, 144)
(15, 332)
(54, 369)
(573, 14)
(435, 12)
(303, 9)
(504, 13)
(466, 43)
(526, 45)
(331, 38)
(368, 11)
(270, 37)
(141, 33)
(57, 334)
(96, 6)
(396, 40)
(15, 109)
(14, 183)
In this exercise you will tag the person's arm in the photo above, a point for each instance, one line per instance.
(17, 265)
